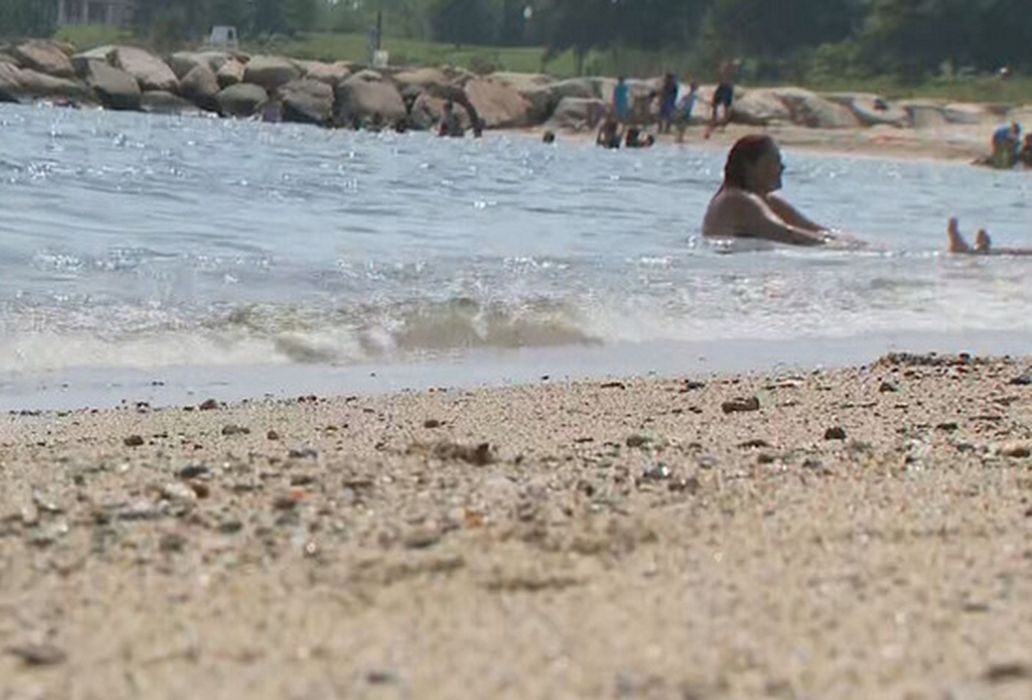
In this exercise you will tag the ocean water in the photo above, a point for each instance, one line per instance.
(135, 249)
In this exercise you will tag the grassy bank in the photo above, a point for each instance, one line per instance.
(484, 59)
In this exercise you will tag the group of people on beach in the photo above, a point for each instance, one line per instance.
(675, 108)
(1009, 150)
(747, 206)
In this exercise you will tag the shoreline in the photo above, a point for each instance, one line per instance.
(177, 386)
(343, 94)
(963, 144)
(817, 534)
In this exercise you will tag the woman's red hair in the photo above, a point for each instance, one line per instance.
(746, 151)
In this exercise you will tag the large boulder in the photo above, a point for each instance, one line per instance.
(17, 84)
(329, 73)
(360, 97)
(149, 70)
(924, 114)
(421, 78)
(970, 114)
(44, 57)
(578, 113)
(498, 105)
(201, 86)
(231, 73)
(871, 110)
(242, 100)
(811, 110)
(183, 62)
(542, 102)
(115, 88)
(161, 102)
(755, 108)
(521, 81)
(271, 72)
(307, 102)
(582, 88)
(535, 89)
(367, 75)
(428, 110)
(102, 54)
(603, 88)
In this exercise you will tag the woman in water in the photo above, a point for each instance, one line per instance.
(745, 206)
(983, 243)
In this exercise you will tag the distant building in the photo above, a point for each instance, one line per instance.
(114, 13)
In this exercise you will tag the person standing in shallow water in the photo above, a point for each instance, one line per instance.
(724, 96)
(622, 101)
(684, 110)
(668, 103)
(451, 124)
(609, 135)
(746, 205)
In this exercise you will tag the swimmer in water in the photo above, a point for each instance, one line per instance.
(745, 206)
(983, 243)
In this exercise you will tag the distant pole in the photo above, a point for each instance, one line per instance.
(379, 29)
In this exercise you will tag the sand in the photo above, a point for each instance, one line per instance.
(864, 533)
(954, 142)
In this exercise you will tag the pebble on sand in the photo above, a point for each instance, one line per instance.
(479, 455)
(422, 537)
(835, 433)
(133, 441)
(194, 471)
(741, 405)
(656, 472)
(1018, 450)
(638, 440)
(38, 654)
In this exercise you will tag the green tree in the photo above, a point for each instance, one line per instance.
(915, 37)
(764, 28)
(27, 18)
(235, 13)
(170, 22)
(301, 15)
(578, 25)
(653, 24)
(513, 24)
(465, 21)
(269, 17)
(1003, 35)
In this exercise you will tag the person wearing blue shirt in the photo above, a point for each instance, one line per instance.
(684, 110)
(1006, 145)
(622, 101)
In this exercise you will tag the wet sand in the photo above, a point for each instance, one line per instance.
(858, 533)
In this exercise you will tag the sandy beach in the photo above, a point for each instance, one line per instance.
(854, 533)
(958, 143)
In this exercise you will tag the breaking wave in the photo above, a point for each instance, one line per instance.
(268, 334)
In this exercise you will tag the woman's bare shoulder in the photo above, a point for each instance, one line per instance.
(729, 210)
